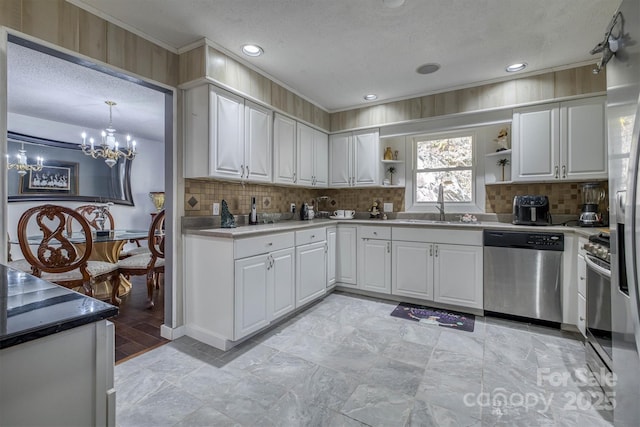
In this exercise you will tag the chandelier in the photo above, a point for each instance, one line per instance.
(109, 148)
(22, 167)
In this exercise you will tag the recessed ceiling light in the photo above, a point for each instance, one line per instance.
(252, 50)
(518, 66)
(428, 68)
(370, 97)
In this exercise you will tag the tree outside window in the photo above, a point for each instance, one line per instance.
(448, 161)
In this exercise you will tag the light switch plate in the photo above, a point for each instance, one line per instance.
(388, 207)
(216, 208)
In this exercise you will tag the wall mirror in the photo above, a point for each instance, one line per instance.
(67, 174)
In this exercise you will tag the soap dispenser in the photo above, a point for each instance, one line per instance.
(253, 216)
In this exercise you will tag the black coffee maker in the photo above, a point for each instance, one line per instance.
(531, 210)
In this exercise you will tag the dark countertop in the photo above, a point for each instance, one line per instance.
(32, 308)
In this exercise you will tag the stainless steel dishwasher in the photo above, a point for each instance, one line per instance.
(523, 274)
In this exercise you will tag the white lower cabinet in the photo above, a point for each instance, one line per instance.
(331, 256)
(346, 261)
(413, 269)
(438, 265)
(374, 259)
(457, 275)
(264, 290)
(311, 272)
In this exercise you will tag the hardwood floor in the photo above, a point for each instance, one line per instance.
(137, 327)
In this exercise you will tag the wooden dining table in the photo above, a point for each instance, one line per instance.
(107, 247)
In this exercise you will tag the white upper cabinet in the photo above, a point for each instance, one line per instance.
(226, 136)
(560, 141)
(284, 150)
(257, 148)
(312, 157)
(354, 159)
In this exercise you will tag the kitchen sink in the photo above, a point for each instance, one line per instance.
(432, 222)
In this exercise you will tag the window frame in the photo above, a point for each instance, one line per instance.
(477, 177)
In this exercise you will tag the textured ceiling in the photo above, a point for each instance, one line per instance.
(43, 86)
(334, 51)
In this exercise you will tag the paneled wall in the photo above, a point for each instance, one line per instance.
(206, 61)
(543, 87)
(66, 25)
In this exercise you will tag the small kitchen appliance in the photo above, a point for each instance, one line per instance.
(253, 216)
(592, 195)
(531, 210)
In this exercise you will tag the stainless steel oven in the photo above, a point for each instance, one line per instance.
(599, 336)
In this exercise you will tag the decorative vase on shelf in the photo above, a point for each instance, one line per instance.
(388, 154)
(158, 199)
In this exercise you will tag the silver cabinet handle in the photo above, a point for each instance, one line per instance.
(247, 171)
(388, 247)
(294, 177)
(270, 244)
(375, 233)
(581, 318)
(313, 236)
(556, 173)
(431, 250)
(241, 171)
(564, 171)
(436, 251)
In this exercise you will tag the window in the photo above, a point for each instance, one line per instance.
(447, 160)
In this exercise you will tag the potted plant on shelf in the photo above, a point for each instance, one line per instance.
(391, 170)
(503, 162)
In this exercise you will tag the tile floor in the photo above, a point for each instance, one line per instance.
(346, 362)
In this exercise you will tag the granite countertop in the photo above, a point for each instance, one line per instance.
(292, 225)
(33, 308)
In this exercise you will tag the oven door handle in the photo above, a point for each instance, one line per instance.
(603, 271)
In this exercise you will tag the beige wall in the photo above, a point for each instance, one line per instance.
(63, 24)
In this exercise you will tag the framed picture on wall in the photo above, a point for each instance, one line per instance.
(56, 176)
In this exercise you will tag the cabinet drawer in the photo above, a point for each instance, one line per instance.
(368, 232)
(262, 244)
(439, 235)
(311, 235)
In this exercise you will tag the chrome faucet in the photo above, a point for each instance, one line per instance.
(441, 201)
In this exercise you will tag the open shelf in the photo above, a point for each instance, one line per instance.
(499, 153)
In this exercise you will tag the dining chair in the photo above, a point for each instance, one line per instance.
(92, 214)
(53, 257)
(150, 264)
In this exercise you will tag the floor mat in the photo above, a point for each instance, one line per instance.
(435, 316)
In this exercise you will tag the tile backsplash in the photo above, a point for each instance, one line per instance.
(565, 198)
(200, 194)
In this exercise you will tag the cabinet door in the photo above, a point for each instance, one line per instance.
(582, 315)
(305, 163)
(321, 158)
(456, 285)
(536, 144)
(413, 269)
(374, 265)
(284, 150)
(340, 164)
(226, 133)
(583, 140)
(346, 255)
(331, 256)
(283, 282)
(366, 147)
(311, 272)
(582, 276)
(196, 132)
(251, 295)
(257, 153)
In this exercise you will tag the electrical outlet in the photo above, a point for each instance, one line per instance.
(388, 207)
(292, 207)
(216, 208)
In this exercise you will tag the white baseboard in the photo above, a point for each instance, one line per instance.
(171, 333)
